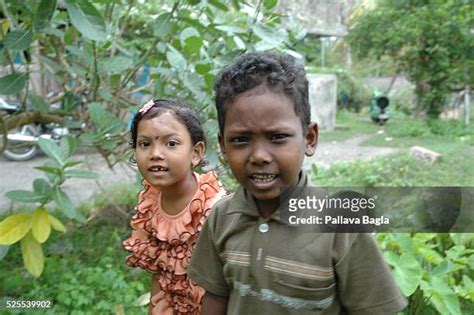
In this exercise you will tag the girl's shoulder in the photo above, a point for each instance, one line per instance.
(210, 185)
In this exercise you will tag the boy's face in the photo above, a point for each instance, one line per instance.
(264, 143)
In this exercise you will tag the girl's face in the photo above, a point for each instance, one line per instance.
(165, 153)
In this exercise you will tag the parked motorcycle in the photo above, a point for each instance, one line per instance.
(22, 140)
(379, 111)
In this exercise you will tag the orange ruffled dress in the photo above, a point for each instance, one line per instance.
(163, 244)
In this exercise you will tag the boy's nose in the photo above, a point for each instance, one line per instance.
(260, 155)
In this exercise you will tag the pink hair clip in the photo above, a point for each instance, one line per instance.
(145, 108)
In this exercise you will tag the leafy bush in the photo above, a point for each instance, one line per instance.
(408, 128)
(388, 171)
(451, 128)
(84, 273)
(404, 100)
(435, 271)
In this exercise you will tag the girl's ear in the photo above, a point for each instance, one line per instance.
(311, 138)
(198, 153)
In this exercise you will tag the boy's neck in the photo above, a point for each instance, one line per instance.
(267, 207)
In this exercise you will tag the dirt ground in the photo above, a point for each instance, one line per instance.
(328, 153)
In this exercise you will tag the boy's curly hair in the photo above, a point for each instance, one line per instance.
(278, 71)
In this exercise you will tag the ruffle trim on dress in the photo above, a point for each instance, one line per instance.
(165, 243)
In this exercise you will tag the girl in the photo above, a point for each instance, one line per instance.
(169, 142)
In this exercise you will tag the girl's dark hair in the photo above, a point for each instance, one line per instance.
(278, 71)
(181, 111)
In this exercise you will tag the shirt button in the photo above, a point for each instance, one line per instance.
(263, 228)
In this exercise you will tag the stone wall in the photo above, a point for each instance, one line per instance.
(323, 98)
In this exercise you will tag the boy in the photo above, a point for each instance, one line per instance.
(249, 260)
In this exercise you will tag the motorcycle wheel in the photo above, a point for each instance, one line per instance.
(21, 151)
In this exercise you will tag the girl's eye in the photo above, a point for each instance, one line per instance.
(172, 143)
(239, 140)
(280, 136)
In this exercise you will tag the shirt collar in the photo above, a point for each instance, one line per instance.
(244, 203)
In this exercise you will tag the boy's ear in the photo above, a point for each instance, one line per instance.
(312, 134)
(222, 146)
(198, 153)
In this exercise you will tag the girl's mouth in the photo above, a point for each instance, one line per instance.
(158, 169)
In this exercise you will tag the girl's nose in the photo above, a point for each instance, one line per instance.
(156, 153)
(260, 155)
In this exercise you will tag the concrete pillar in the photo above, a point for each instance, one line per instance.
(323, 99)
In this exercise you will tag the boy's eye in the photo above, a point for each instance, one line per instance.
(279, 136)
(172, 143)
(143, 144)
(239, 140)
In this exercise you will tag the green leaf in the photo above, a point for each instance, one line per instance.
(56, 224)
(270, 4)
(176, 59)
(51, 149)
(18, 40)
(42, 187)
(116, 64)
(239, 43)
(229, 29)
(104, 121)
(236, 4)
(49, 169)
(44, 14)
(24, 196)
(68, 146)
(193, 45)
(272, 37)
(41, 228)
(202, 68)
(81, 174)
(408, 274)
(163, 25)
(64, 203)
(86, 19)
(13, 83)
(218, 4)
(72, 163)
(51, 63)
(442, 296)
(188, 32)
(14, 228)
(82, 54)
(32, 253)
(142, 300)
(70, 102)
(38, 103)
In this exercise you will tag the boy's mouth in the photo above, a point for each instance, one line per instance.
(263, 178)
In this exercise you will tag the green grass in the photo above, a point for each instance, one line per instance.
(404, 132)
(400, 169)
(348, 125)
